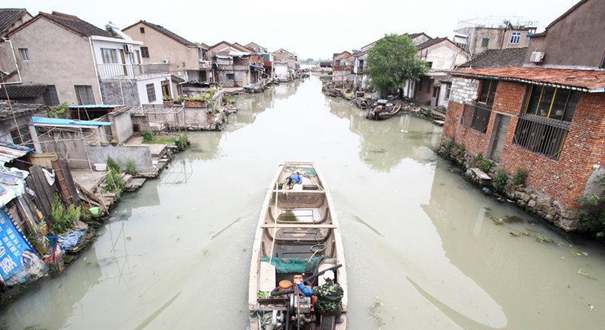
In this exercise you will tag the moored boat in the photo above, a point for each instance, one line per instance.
(297, 273)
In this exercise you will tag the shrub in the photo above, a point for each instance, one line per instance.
(131, 167)
(62, 220)
(483, 164)
(147, 136)
(112, 165)
(114, 182)
(592, 210)
(72, 214)
(59, 111)
(181, 142)
(520, 177)
(500, 180)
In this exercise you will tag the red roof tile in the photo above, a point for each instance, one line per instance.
(586, 80)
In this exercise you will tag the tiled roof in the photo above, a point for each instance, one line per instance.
(497, 58)
(76, 24)
(8, 17)
(166, 32)
(585, 80)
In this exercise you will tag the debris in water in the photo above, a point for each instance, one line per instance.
(515, 234)
(543, 239)
(225, 228)
(360, 220)
(376, 311)
(585, 274)
(129, 238)
(591, 307)
(497, 221)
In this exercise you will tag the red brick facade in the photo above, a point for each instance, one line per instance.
(564, 179)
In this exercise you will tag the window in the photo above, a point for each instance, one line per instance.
(230, 76)
(84, 94)
(448, 91)
(487, 91)
(138, 53)
(24, 53)
(150, 92)
(554, 103)
(142, 29)
(109, 55)
(476, 116)
(544, 125)
(484, 42)
(515, 37)
(21, 135)
(145, 52)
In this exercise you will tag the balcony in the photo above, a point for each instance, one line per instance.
(476, 116)
(130, 71)
(204, 64)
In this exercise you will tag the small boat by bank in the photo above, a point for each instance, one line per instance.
(384, 110)
(297, 273)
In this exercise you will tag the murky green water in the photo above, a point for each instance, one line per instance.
(423, 251)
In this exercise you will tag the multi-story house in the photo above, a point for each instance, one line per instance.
(546, 117)
(235, 65)
(342, 68)
(11, 18)
(184, 58)
(477, 36)
(285, 64)
(83, 63)
(441, 55)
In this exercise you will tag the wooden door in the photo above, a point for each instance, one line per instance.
(499, 136)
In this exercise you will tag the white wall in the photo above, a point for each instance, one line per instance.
(444, 56)
(281, 71)
(142, 88)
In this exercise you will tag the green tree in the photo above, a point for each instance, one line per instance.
(392, 61)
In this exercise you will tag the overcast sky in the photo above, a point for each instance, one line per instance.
(312, 28)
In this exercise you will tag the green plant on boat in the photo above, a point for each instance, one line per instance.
(181, 142)
(62, 219)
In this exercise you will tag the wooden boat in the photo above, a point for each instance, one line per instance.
(297, 233)
(384, 111)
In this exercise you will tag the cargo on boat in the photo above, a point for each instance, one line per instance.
(297, 273)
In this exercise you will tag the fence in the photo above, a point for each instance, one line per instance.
(541, 135)
(129, 71)
(476, 116)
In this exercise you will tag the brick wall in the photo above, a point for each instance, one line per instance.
(563, 180)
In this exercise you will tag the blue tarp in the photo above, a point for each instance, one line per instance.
(68, 122)
(18, 260)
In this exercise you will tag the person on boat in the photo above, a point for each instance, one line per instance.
(293, 179)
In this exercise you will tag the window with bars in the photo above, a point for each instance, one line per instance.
(515, 37)
(544, 125)
(150, 92)
(145, 52)
(21, 135)
(484, 42)
(24, 53)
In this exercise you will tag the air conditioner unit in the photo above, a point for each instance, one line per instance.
(536, 57)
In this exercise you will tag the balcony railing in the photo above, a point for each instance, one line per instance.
(130, 71)
(204, 64)
(476, 116)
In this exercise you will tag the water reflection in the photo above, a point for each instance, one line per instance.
(385, 143)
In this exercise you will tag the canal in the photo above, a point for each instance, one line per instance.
(425, 250)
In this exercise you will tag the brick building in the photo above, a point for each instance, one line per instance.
(544, 117)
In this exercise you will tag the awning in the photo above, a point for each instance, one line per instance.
(71, 123)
